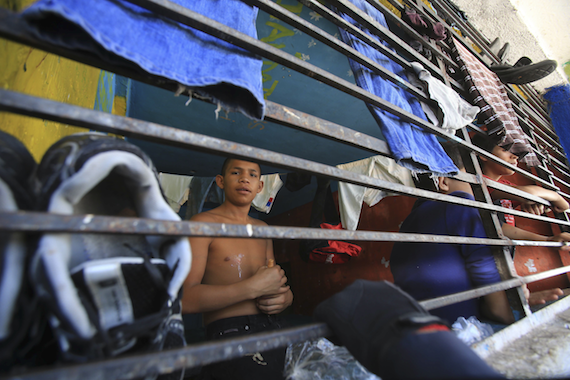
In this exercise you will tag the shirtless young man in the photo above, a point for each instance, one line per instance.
(230, 281)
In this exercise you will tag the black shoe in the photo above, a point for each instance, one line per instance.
(17, 167)
(524, 71)
(108, 294)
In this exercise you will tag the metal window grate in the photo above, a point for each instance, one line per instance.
(531, 112)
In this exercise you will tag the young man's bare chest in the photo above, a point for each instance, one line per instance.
(233, 260)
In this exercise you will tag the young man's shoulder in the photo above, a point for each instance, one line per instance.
(207, 216)
(218, 216)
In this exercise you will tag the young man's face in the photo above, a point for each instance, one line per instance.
(241, 181)
(505, 155)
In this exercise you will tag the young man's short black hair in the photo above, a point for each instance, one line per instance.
(484, 142)
(456, 152)
(227, 163)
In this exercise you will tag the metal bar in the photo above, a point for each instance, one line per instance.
(511, 190)
(168, 361)
(292, 118)
(101, 121)
(434, 303)
(12, 27)
(561, 166)
(382, 32)
(551, 141)
(341, 23)
(216, 29)
(561, 181)
(95, 224)
(322, 36)
(474, 35)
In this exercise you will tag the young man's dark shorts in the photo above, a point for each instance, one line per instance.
(267, 365)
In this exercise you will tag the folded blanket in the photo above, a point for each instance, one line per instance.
(124, 34)
(411, 146)
(488, 93)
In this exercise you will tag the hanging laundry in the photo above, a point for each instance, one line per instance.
(264, 200)
(558, 98)
(455, 113)
(411, 146)
(175, 188)
(488, 92)
(326, 251)
(125, 34)
(350, 197)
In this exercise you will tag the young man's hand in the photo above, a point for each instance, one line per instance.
(533, 208)
(559, 205)
(274, 304)
(563, 237)
(543, 296)
(269, 281)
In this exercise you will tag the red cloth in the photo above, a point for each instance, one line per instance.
(507, 203)
(337, 252)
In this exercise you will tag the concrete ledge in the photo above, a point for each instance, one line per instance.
(537, 346)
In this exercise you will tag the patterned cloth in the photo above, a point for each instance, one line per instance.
(488, 92)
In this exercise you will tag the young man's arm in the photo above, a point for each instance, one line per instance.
(515, 233)
(198, 297)
(274, 303)
(558, 203)
(496, 307)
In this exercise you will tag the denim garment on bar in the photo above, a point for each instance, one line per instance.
(125, 34)
(410, 145)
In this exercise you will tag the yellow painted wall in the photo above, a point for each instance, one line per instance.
(37, 73)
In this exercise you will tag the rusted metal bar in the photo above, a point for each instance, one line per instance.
(382, 32)
(36, 222)
(341, 23)
(504, 285)
(168, 361)
(336, 44)
(467, 28)
(101, 121)
(12, 27)
(304, 122)
(216, 29)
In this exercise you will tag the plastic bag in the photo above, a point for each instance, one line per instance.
(322, 360)
(471, 330)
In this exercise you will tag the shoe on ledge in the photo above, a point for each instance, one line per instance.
(524, 71)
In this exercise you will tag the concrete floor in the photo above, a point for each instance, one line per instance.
(536, 29)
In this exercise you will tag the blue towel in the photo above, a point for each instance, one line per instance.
(410, 145)
(558, 98)
(123, 33)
